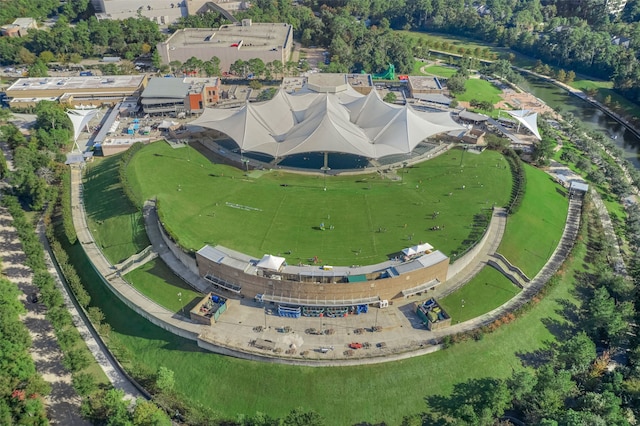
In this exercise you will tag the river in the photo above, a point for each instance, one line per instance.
(593, 117)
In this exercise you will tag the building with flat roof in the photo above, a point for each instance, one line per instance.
(159, 11)
(421, 85)
(229, 43)
(76, 91)
(176, 95)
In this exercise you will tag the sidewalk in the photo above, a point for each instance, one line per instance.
(94, 343)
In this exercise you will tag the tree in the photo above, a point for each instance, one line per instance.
(238, 68)
(26, 57)
(577, 353)
(570, 77)
(255, 84)
(47, 56)
(390, 97)
(456, 84)
(605, 320)
(299, 417)
(84, 383)
(477, 401)
(256, 66)
(561, 75)
(146, 413)
(165, 381)
(38, 69)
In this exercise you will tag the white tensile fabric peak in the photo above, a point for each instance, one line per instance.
(528, 119)
(79, 118)
(326, 122)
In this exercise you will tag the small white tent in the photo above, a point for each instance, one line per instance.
(420, 248)
(271, 262)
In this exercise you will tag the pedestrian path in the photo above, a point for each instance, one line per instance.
(610, 234)
(480, 259)
(63, 403)
(102, 355)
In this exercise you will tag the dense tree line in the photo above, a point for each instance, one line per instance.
(21, 388)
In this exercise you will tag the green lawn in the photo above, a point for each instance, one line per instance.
(117, 227)
(480, 90)
(416, 68)
(205, 203)
(485, 292)
(156, 281)
(441, 71)
(535, 229)
(343, 395)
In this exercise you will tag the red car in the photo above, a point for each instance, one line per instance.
(355, 345)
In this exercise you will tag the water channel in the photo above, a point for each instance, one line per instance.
(593, 117)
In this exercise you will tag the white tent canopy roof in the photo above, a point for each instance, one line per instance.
(269, 261)
(528, 119)
(80, 118)
(346, 122)
(420, 248)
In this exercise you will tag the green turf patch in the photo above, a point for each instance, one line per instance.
(417, 65)
(480, 90)
(485, 292)
(117, 226)
(366, 218)
(156, 281)
(441, 71)
(534, 231)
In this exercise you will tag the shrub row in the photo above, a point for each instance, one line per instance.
(519, 181)
(65, 207)
(122, 173)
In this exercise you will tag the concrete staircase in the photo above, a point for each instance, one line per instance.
(515, 274)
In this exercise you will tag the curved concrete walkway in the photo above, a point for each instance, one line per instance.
(103, 357)
(403, 335)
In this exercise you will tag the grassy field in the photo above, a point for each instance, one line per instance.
(480, 90)
(530, 238)
(117, 226)
(156, 281)
(280, 213)
(441, 71)
(485, 292)
(343, 396)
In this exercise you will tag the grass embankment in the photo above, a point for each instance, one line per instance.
(117, 226)
(281, 213)
(156, 281)
(485, 292)
(535, 230)
(342, 395)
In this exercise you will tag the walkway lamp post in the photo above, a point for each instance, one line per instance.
(180, 300)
